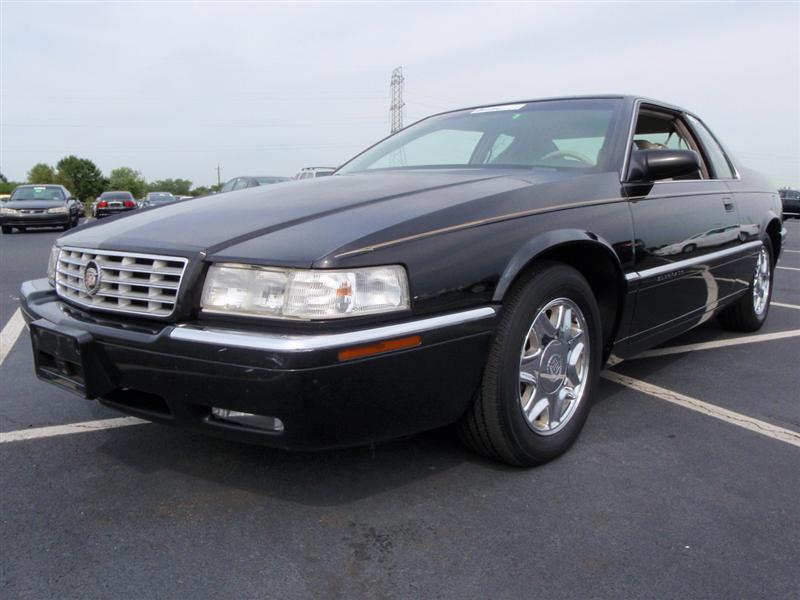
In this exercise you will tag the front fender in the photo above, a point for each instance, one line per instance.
(545, 242)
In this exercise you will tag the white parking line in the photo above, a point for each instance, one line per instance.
(788, 268)
(10, 333)
(784, 305)
(55, 430)
(778, 433)
(792, 251)
(747, 339)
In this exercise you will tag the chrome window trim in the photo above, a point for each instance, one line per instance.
(632, 125)
(629, 140)
(305, 343)
(737, 176)
(689, 262)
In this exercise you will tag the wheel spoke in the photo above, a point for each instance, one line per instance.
(527, 377)
(540, 409)
(556, 410)
(564, 321)
(544, 329)
(573, 358)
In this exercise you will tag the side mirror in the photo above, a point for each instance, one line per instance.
(653, 165)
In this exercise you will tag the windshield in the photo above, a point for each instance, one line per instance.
(557, 134)
(116, 196)
(44, 192)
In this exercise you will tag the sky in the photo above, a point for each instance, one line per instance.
(172, 89)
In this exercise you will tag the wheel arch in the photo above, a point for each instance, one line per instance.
(586, 252)
(773, 231)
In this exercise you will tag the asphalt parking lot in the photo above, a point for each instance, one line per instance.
(684, 484)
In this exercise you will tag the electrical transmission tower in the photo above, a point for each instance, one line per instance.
(396, 107)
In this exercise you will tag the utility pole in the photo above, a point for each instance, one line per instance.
(397, 105)
(219, 170)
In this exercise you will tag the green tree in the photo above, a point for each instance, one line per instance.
(81, 176)
(204, 190)
(130, 180)
(42, 173)
(6, 187)
(178, 187)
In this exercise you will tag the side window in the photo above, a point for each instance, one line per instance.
(716, 155)
(657, 130)
(240, 184)
(228, 186)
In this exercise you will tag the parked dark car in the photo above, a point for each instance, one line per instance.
(153, 199)
(790, 200)
(113, 203)
(243, 182)
(479, 267)
(40, 206)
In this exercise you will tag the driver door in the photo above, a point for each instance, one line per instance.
(690, 233)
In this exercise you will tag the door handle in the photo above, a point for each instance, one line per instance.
(728, 204)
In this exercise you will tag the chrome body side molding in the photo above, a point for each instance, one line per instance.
(273, 342)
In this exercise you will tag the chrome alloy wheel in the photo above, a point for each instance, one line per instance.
(554, 366)
(761, 282)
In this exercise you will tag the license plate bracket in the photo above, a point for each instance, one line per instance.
(68, 358)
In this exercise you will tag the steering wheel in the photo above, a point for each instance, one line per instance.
(569, 154)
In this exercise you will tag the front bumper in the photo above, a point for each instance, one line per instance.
(35, 220)
(176, 374)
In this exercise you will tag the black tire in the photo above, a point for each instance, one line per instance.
(494, 425)
(689, 248)
(742, 315)
(6, 229)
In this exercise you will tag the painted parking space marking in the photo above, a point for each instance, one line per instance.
(57, 430)
(789, 268)
(784, 305)
(747, 339)
(778, 433)
(792, 251)
(10, 333)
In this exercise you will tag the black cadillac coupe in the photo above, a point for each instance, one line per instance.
(477, 268)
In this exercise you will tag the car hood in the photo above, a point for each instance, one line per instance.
(300, 222)
(28, 204)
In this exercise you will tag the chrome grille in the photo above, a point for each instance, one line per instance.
(141, 284)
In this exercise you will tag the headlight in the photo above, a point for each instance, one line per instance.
(58, 210)
(304, 294)
(8, 211)
(52, 263)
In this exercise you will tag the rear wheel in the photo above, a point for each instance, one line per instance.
(749, 312)
(542, 370)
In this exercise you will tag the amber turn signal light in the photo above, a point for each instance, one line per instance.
(379, 348)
